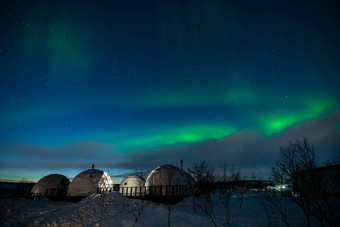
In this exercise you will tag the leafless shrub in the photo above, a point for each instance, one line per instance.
(80, 216)
(104, 203)
(135, 207)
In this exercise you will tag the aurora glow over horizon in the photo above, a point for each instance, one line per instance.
(135, 84)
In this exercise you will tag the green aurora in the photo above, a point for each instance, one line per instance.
(133, 78)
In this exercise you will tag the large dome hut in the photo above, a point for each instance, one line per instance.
(51, 185)
(132, 185)
(167, 180)
(90, 182)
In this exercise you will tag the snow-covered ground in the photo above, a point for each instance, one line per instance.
(24, 212)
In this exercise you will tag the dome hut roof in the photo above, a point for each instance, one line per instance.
(89, 182)
(132, 181)
(47, 184)
(167, 175)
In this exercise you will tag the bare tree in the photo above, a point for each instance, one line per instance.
(319, 188)
(277, 201)
(263, 195)
(169, 213)
(240, 188)
(269, 207)
(193, 189)
(229, 178)
(199, 177)
(169, 180)
(296, 156)
(204, 175)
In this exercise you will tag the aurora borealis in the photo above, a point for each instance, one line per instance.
(135, 84)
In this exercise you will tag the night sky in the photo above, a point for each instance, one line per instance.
(131, 85)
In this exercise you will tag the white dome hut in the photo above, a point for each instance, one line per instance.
(90, 182)
(168, 180)
(51, 185)
(132, 185)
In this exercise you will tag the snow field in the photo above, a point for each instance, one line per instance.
(24, 212)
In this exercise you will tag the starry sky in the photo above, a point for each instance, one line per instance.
(131, 85)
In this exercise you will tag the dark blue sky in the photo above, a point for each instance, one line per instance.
(135, 84)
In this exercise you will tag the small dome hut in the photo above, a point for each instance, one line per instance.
(90, 182)
(168, 180)
(132, 185)
(51, 185)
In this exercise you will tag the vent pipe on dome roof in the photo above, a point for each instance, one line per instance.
(92, 170)
(181, 164)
